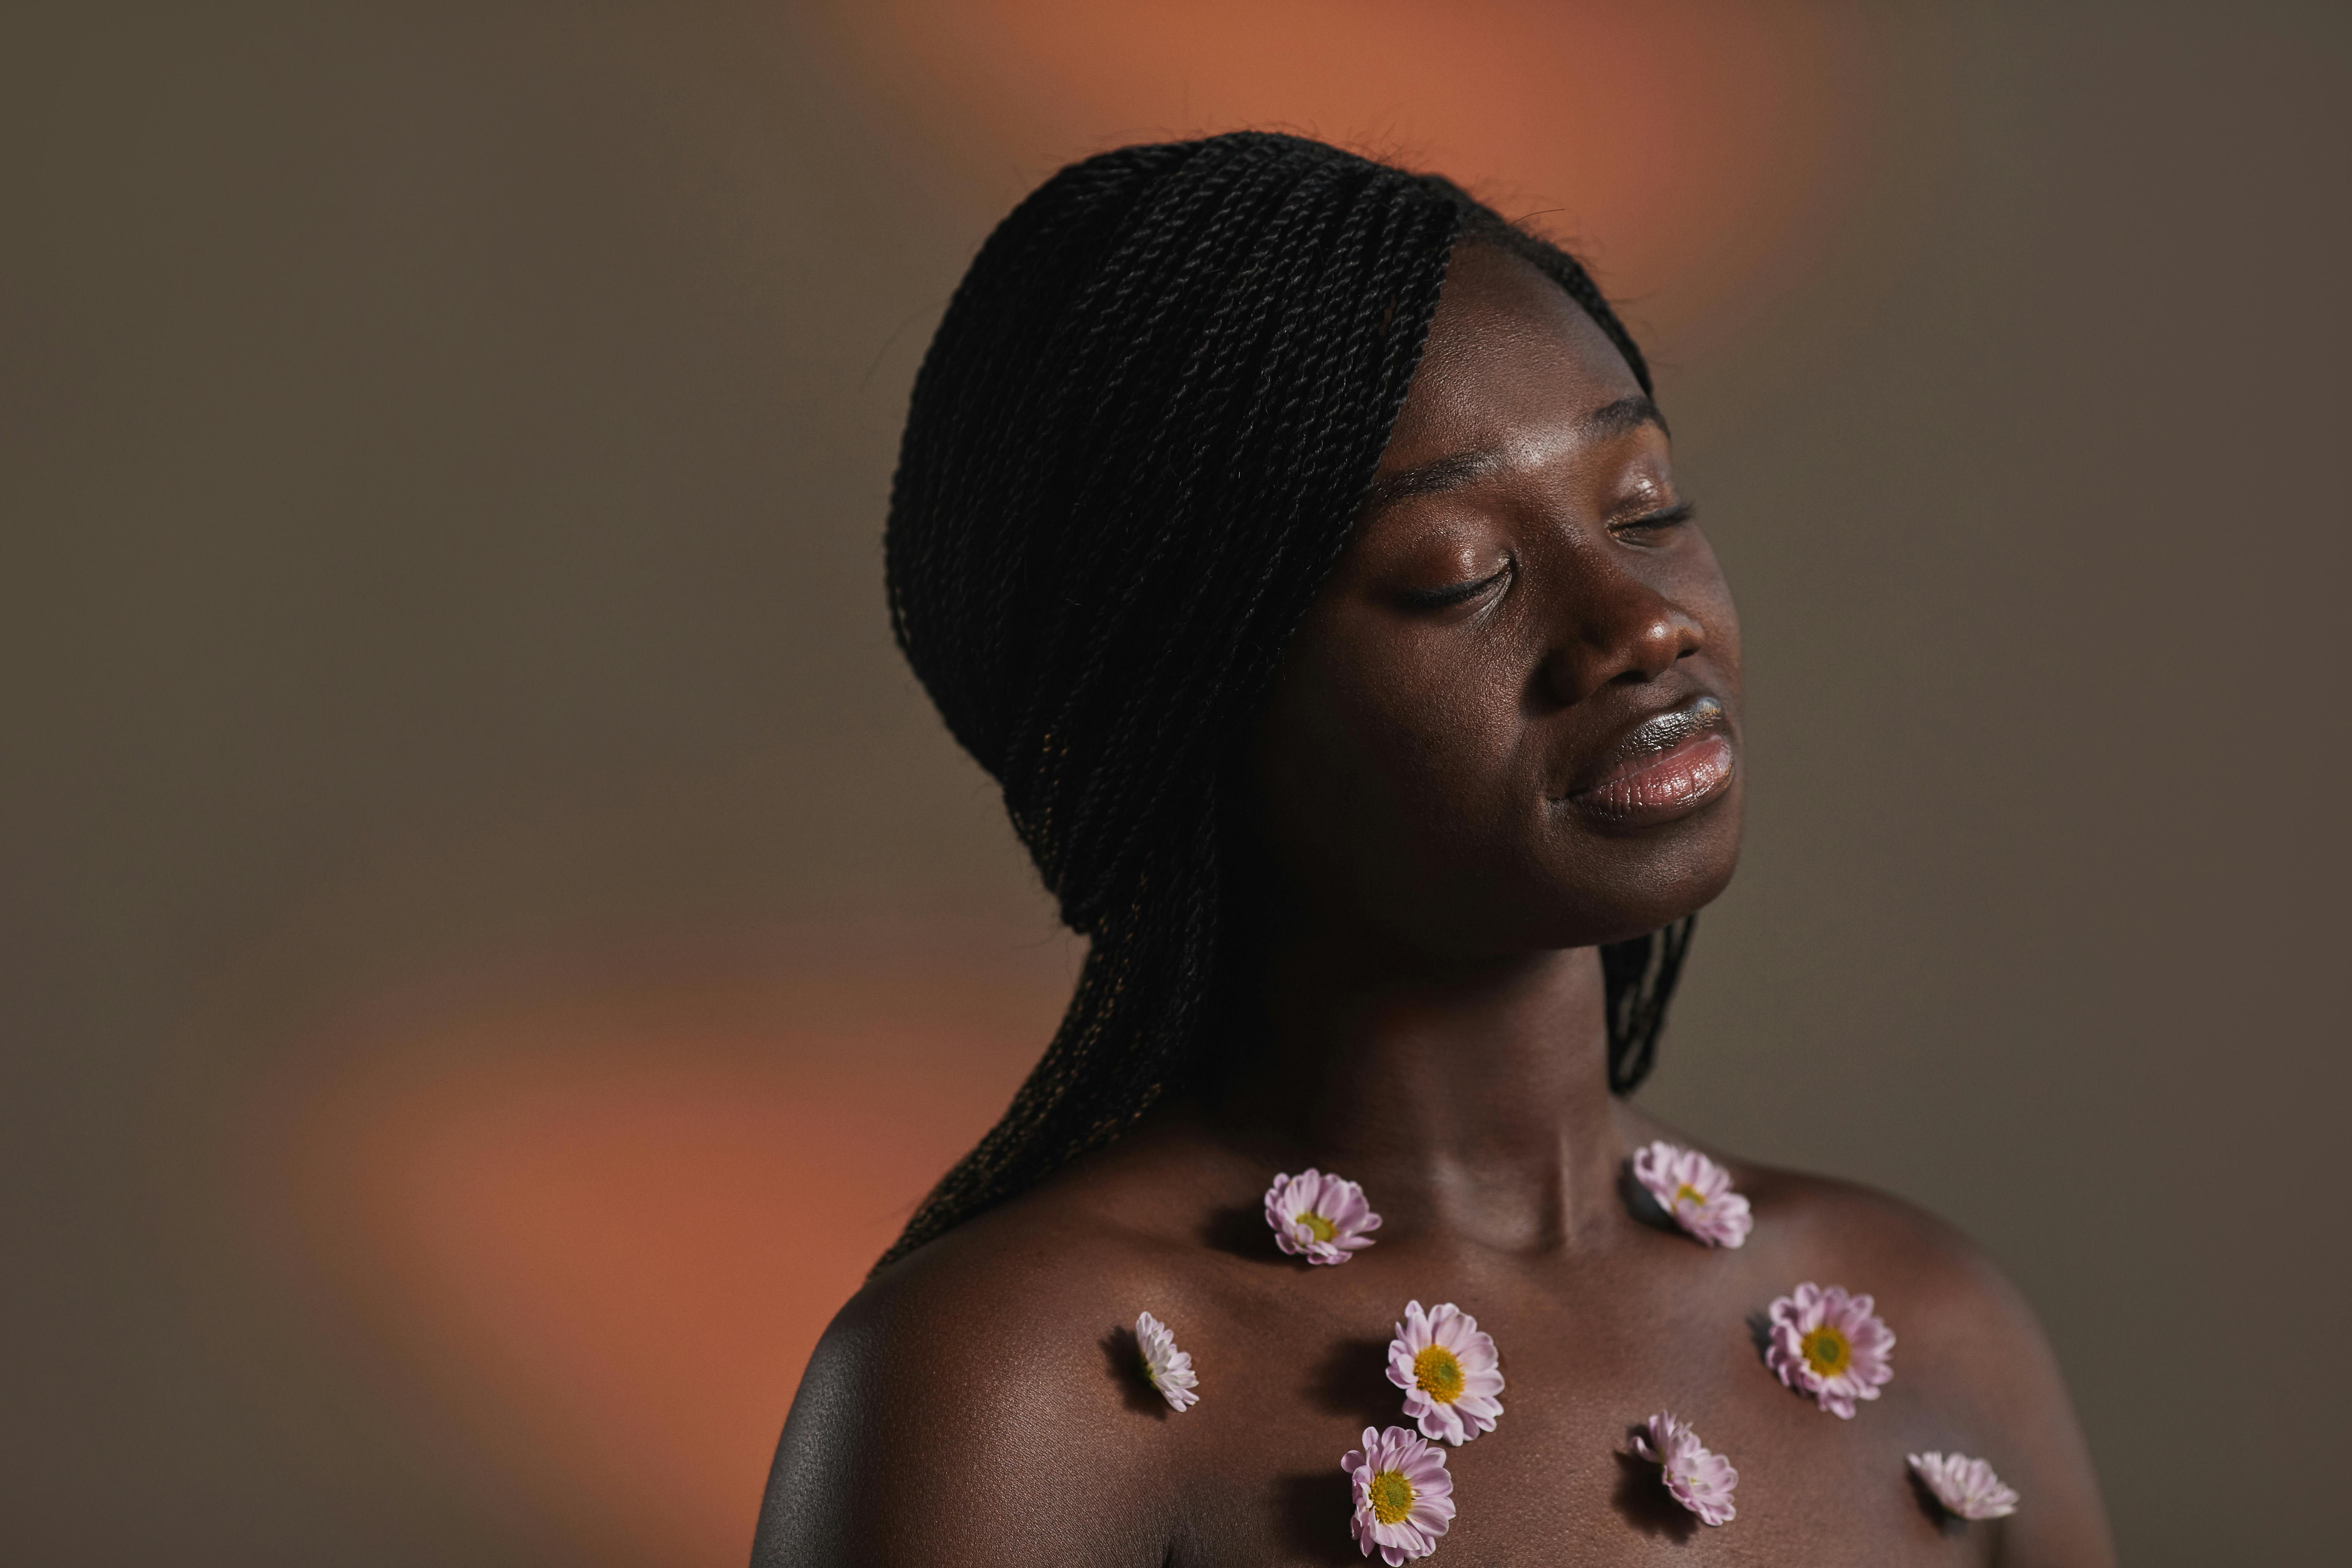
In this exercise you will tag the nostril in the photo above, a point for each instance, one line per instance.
(1639, 642)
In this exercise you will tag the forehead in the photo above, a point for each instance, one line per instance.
(1509, 355)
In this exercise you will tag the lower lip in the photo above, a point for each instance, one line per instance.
(1664, 788)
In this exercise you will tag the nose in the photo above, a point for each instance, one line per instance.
(1614, 627)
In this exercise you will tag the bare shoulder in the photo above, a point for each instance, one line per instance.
(977, 1402)
(1969, 1343)
(1840, 1222)
(1836, 1232)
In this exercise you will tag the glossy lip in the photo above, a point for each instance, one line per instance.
(1665, 767)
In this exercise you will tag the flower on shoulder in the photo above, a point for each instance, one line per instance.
(1404, 1495)
(1170, 1369)
(1830, 1345)
(1966, 1488)
(1321, 1219)
(1697, 1478)
(1448, 1371)
(1696, 1192)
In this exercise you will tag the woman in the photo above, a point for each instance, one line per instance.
(1296, 544)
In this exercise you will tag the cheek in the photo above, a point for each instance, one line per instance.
(1396, 773)
(1708, 593)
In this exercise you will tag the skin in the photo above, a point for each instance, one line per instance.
(1428, 1020)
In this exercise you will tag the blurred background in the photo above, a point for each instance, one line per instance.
(493, 941)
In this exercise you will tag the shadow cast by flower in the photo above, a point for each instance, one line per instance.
(1641, 1203)
(1313, 1508)
(1239, 1231)
(1352, 1380)
(1642, 1502)
(1943, 1518)
(1123, 1355)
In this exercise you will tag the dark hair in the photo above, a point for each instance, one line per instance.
(1135, 449)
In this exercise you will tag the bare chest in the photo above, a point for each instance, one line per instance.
(1292, 1376)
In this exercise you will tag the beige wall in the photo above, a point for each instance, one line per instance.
(441, 457)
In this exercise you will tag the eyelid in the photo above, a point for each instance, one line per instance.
(1665, 517)
(1459, 593)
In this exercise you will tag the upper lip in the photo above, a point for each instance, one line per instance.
(1653, 734)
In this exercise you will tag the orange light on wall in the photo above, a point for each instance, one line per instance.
(1691, 152)
(602, 1222)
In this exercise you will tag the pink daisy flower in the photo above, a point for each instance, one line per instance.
(1966, 1488)
(1447, 1370)
(1830, 1345)
(1695, 1191)
(1321, 1219)
(1404, 1496)
(1170, 1369)
(1699, 1479)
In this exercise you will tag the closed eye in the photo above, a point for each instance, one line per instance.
(1671, 516)
(1459, 593)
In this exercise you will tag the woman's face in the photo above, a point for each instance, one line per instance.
(1511, 721)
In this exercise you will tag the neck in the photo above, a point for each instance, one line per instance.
(1470, 1096)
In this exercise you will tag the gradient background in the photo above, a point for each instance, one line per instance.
(492, 941)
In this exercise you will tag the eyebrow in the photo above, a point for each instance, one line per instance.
(1621, 417)
(1427, 479)
(1606, 422)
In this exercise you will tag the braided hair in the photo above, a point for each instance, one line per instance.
(1135, 450)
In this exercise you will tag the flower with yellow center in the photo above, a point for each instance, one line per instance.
(1826, 1352)
(1438, 1374)
(1830, 1344)
(1403, 1495)
(1695, 1475)
(1168, 1369)
(1320, 1217)
(1966, 1488)
(1450, 1373)
(1694, 1191)
(1392, 1496)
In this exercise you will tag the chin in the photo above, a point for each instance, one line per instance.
(1620, 886)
